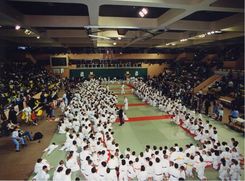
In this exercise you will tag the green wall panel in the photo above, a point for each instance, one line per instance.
(112, 72)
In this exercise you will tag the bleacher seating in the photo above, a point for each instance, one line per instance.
(22, 81)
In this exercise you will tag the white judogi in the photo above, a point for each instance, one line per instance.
(174, 174)
(42, 176)
(51, 148)
(122, 89)
(110, 177)
(200, 167)
(58, 176)
(94, 177)
(67, 177)
(223, 172)
(112, 164)
(39, 166)
(123, 174)
(126, 103)
(102, 172)
(131, 172)
(86, 170)
(165, 166)
(72, 164)
(142, 176)
(158, 171)
(62, 106)
(235, 172)
(150, 171)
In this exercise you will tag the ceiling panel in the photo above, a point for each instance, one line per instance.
(208, 16)
(49, 8)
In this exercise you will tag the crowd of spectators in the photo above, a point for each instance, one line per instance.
(230, 84)
(22, 80)
(233, 53)
(180, 82)
(18, 85)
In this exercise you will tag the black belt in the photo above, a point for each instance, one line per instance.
(174, 176)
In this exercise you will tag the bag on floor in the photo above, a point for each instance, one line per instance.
(39, 112)
(37, 136)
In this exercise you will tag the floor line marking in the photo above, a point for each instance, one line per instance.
(147, 118)
(127, 94)
(133, 104)
(128, 89)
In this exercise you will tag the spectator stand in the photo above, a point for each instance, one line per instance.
(38, 106)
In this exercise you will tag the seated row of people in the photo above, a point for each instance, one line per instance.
(220, 155)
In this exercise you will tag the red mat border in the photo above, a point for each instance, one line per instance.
(147, 118)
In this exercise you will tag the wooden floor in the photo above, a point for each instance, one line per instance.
(20, 165)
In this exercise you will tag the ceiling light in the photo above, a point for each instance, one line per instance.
(141, 14)
(212, 32)
(38, 37)
(145, 11)
(21, 48)
(173, 44)
(209, 33)
(114, 43)
(17, 27)
(183, 40)
(201, 36)
(119, 38)
(217, 31)
(28, 32)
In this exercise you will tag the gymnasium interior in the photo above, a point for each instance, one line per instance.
(95, 83)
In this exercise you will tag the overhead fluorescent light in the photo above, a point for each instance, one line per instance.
(114, 43)
(182, 40)
(141, 14)
(102, 37)
(145, 11)
(202, 35)
(21, 48)
(217, 32)
(119, 38)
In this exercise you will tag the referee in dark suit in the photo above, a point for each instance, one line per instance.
(120, 115)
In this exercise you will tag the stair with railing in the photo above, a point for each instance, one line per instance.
(203, 86)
